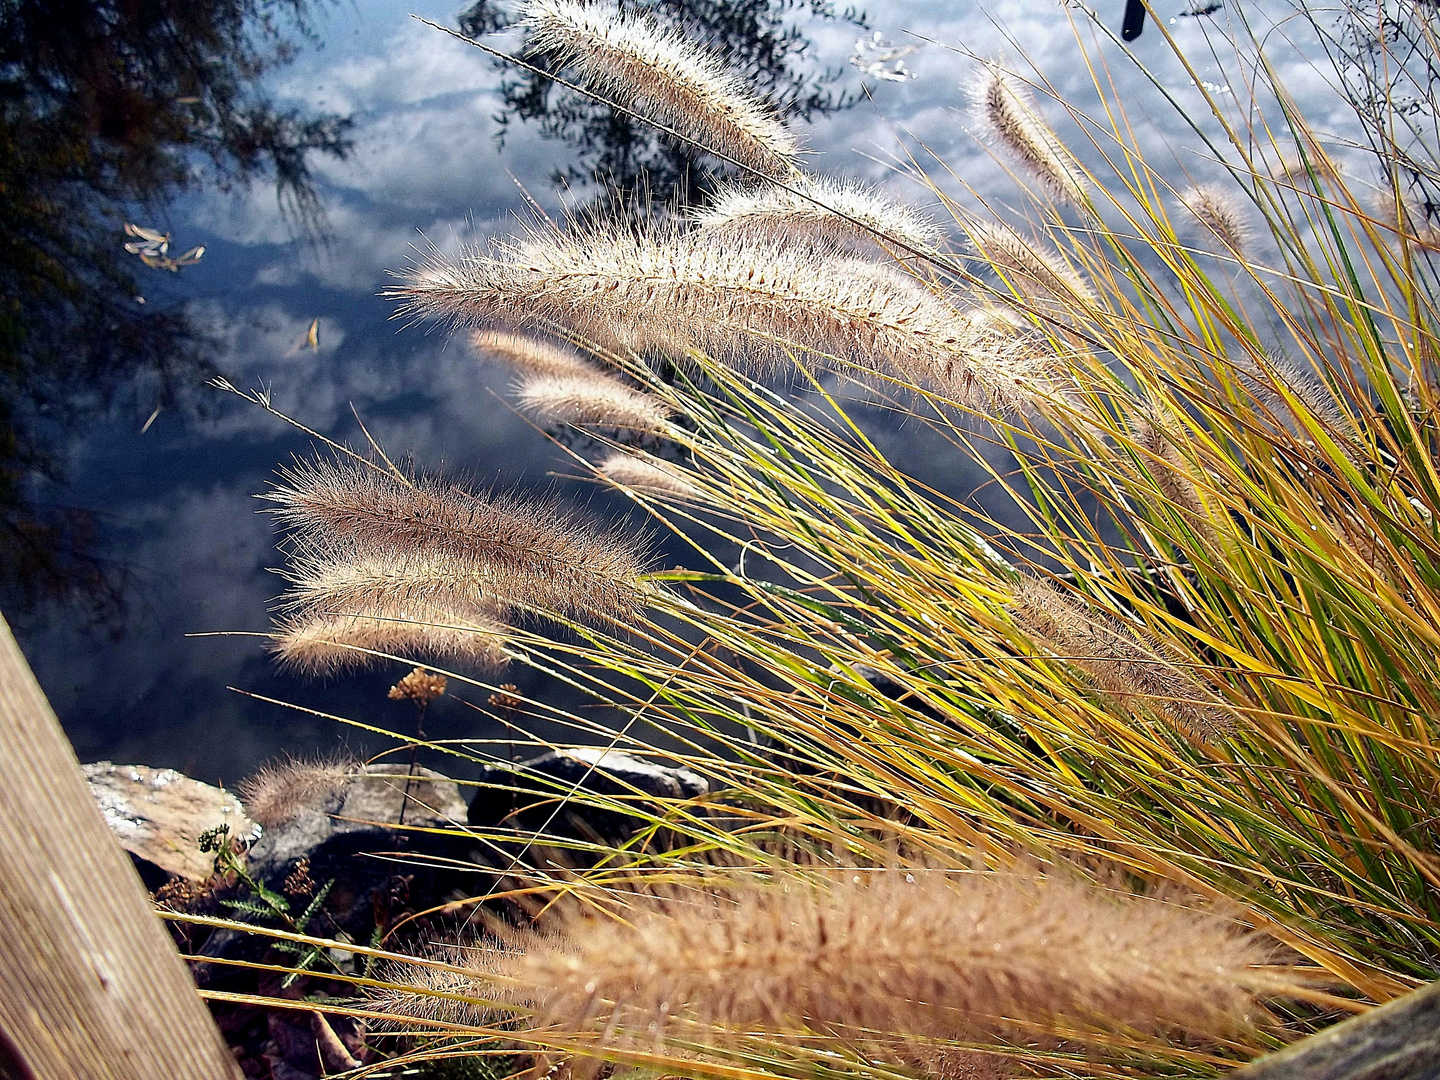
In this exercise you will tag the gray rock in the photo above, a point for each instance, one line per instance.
(159, 814)
(523, 796)
(368, 809)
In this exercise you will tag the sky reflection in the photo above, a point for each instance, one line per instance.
(175, 502)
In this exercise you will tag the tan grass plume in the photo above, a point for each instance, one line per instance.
(324, 644)
(281, 789)
(460, 992)
(842, 211)
(1005, 108)
(748, 300)
(1125, 663)
(1410, 218)
(1175, 478)
(366, 540)
(1040, 277)
(1220, 213)
(647, 474)
(908, 953)
(634, 60)
(1279, 381)
(592, 399)
(531, 355)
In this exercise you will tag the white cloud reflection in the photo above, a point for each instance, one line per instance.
(426, 169)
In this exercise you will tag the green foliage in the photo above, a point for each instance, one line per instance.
(266, 907)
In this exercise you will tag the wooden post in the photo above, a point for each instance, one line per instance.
(1398, 1041)
(91, 984)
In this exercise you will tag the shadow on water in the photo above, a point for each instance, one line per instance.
(108, 110)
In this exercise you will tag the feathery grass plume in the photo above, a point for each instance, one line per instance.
(750, 299)
(1279, 380)
(868, 215)
(1041, 278)
(1219, 211)
(592, 399)
(1297, 170)
(647, 474)
(531, 355)
(281, 789)
(1005, 108)
(1172, 475)
(1411, 218)
(391, 542)
(658, 73)
(1121, 660)
(459, 993)
(907, 953)
(324, 644)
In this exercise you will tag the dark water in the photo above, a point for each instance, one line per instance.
(173, 503)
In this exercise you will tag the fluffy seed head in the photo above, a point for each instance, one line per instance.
(324, 644)
(1005, 109)
(531, 355)
(592, 399)
(366, 540)
(1218, 210)
(647, 474)
(922, 953)
(457, 993)
(1172, 475)
(751, 299)
(1279, 382)
(281, 789)
(1124, 664)
(842, 211)
(1411, 219)
(633, 60)
(1042, 279)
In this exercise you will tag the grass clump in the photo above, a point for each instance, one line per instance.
(1141, 784)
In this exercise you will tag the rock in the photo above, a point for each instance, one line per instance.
(377, 868)
(368, 805)
(506, 795)
(159, 814)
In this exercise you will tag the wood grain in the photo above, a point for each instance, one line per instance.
(91, 984)
(1398, 1041)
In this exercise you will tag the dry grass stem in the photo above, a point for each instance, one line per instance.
(1124, 664)
(647, 474)
(367, 540)
(868, 216)
(592, 399)
(1005, 108)
(747, 300)
(312, 644)
(280, 790)
(1219, 211)
(632, 59)
(531, 355)
(922, 953)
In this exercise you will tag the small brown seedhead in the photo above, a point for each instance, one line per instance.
(420, 686)
(506, 698)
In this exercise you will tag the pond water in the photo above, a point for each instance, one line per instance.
(174, 498)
